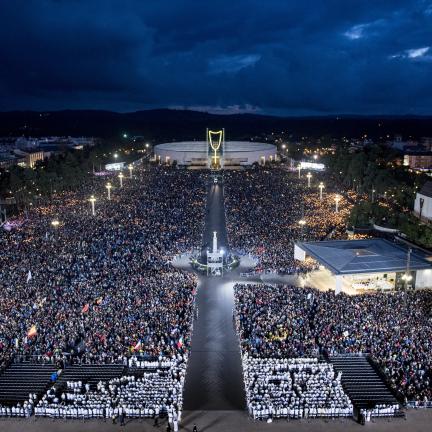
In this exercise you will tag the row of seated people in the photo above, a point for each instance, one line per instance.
(24, 409)
(381, 410)
(293, 388)
(157, 393)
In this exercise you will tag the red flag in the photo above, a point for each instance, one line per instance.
(137, 346)
(85, 308)
(32, 332)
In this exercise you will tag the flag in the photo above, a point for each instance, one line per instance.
(29, 276)
(32, 332)
(180, 342)
(85, 308)
(137, 346)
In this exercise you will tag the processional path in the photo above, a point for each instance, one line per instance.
(214, 378)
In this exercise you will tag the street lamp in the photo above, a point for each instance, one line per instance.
(92, 199)
(55, 223)
(299, 169)
(109, 186)
(337, 199)
(130, 170)
(373, 195)
(302, 223)
(121, 179)
(321, 187)
(309, 176)
(407, 278)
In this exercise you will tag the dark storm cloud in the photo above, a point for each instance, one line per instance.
(312, 57)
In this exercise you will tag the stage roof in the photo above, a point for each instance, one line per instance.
(344, 257)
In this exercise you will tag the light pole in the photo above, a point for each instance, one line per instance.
(55, 224)
(299, 169)
(373, 195)
(302, 223)
(92, 199)
(407, 276)
(321, 187)
(109, 186)
(130, 170)
(309, 176)
(337, 199)
(121, 179)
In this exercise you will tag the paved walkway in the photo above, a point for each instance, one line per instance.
(214, 378)
(224, 421)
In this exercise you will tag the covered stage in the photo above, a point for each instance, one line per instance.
(367, 265)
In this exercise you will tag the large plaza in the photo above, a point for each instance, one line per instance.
(117, 356)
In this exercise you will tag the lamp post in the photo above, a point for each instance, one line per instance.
(321, 187)
(302, 223)
(407, 276)
(109, 186)
(121, 179)
(337, 199)
(92, 200)
(373, 195)
(55, 224)
(421, 207)
(299, 169)
(309, 176)
(130, 170)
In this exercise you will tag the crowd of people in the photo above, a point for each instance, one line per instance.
(264, 208)
(278, 322)
(98, 289)
(158, 393)
(293, 388)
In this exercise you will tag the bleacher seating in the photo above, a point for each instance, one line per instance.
(90, 374)
(364, 386)
(21, 379)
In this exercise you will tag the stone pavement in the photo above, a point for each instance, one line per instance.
(224, 421)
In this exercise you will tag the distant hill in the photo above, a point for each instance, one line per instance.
(166, 124)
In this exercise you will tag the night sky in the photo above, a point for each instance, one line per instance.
(267, 56)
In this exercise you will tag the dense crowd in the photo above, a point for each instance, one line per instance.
(293, 388)
(95, 289)
(157, 393)
(264, 208)
(394, 328)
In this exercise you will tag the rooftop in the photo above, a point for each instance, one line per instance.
(426, 189)
(201, 146)
(344, 257)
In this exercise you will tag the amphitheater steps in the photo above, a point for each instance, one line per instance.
(90, 374)
(361, 382)
(20, 379)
